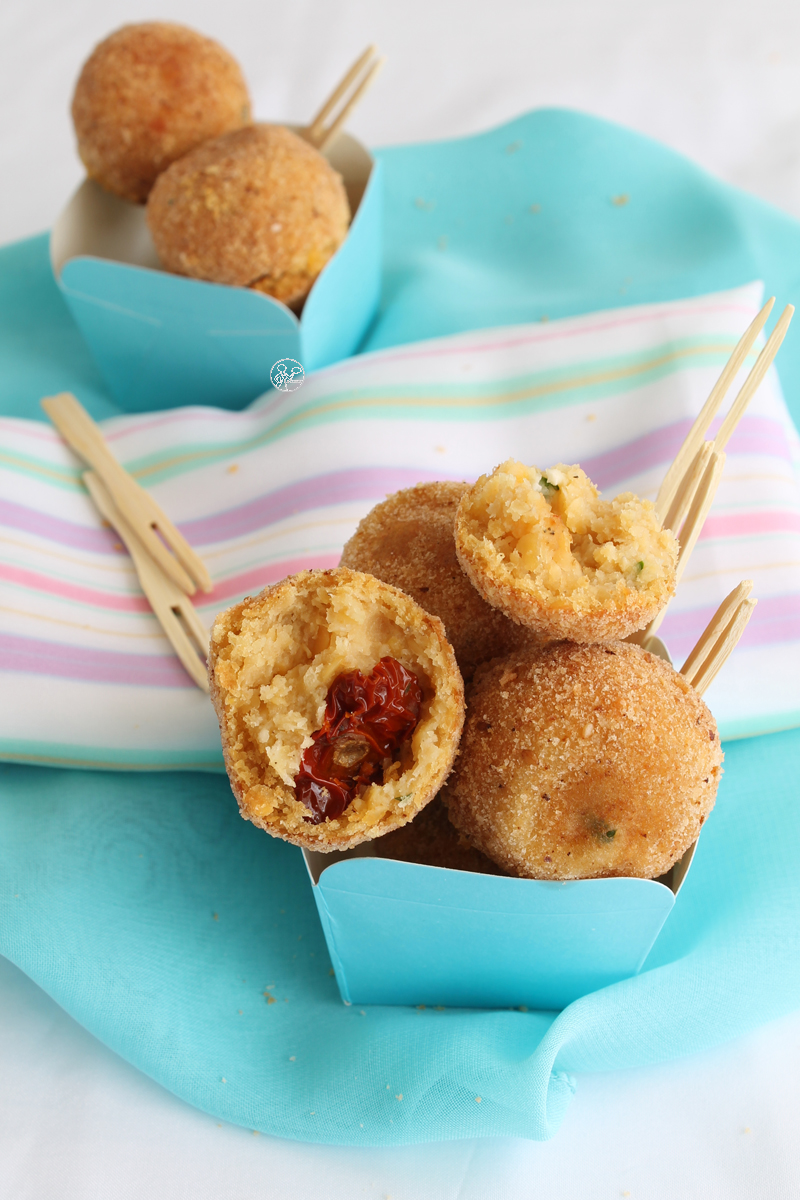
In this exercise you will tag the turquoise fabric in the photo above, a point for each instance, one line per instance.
(188, 941)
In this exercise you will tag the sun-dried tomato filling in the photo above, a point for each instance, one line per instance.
(367, 720)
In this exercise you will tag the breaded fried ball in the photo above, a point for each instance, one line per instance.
(579, 762)
(408, 540)
(146, 96)
(543, 547)
(432, 840)
(256, 208)
(340, 706)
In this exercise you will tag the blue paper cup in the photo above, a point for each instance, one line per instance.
(163, 340)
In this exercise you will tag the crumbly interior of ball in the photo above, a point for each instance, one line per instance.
(584, 761)
(276, 656)
(550, 532)
(408, 540)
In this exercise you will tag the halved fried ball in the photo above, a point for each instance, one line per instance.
(408, 540)
(256, 208)
(545, 549)
(579, 762)
(146, 96)
(285, 663)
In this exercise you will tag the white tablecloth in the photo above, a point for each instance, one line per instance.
(720, 82)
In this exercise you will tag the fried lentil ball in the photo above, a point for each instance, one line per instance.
(584, 761)
(408, 540)
(543, 547)
(432, 840)
(273, 659)
(256, 208)
(146, 96)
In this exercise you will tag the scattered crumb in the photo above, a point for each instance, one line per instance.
(118, 546)
(626, 1193)
(241, 1014)
(534, 208)
(363, 1014)
(591, 416)
(285, 999)
(747, 1129)
(224, 1080)
(232, 469)
(509, 220)
(331, 972)
(440, 1008)
(425, 205)
(442, 243)
(292, 1058)
(270, 999)
(268, 988)
(440, 449)
(514, 147)
(420, 1008)
(621, 199)
(523, 1008)
(478, 1099)
(106, 524)
(388, 1087)
(219, 1125)
(313, 1114)
(215, 916)
(543, 318)
(399, 1096)
(256, 1133)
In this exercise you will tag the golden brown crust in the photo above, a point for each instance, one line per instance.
(272, 660)
(560, 560)
(432, 840)
(147, 95)
(584, 761)
(408, 540)
(258, 207)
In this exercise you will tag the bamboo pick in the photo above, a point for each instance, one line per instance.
(753, 381)
(695, 436)
(703, 499)
(150, 524)
(715, 627)
(724, 646)
(687, 488)
(317, 132)
(174, 611)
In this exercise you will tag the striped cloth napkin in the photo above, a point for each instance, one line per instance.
(91, 681)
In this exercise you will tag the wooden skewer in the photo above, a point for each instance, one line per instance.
(694, 437)
(175, 612)
(703, 499)
(151, 526)
(753, 381)
(687, 488)
(718, 641)
(361, 75)
(721, 618)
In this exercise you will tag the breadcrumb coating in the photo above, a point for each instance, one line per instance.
(549, 552)
(408, 540)
(258, 207)
(146, 96)
(584, 761)
(273, 658)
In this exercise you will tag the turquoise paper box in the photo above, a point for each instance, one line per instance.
(403, 933)
(163, 340)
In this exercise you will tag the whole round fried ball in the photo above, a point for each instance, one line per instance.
(275, 660)
(579, 762)
(256, 208)
(547, 550)
(146, 96)
(408, 540)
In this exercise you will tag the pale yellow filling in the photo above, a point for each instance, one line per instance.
(550, 529)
